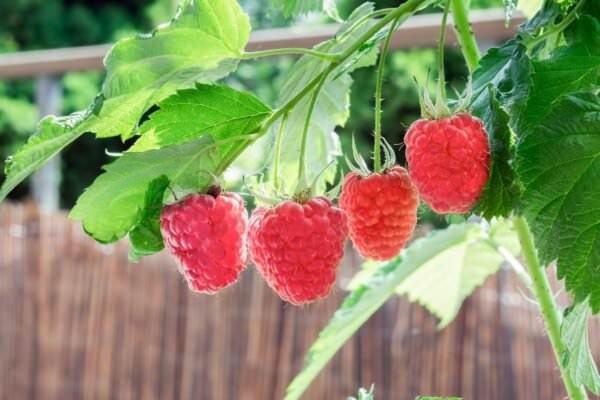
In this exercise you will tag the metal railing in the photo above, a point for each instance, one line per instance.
(47, 66)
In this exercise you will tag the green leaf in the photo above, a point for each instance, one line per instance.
(558, 163)
(201, 44)
(444, 282)
(145, 239)
(569, 69)
(577, 358)
(114, 203)
(189, 114)
(375, 289)
(500, 195)
(331, 110)
(53, 134)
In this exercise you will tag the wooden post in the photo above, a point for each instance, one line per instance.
(45, 183)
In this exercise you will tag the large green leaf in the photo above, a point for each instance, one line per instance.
(577, 358)
(447, 279)
(377, 287)
(558, 163)
(201, 44)
(331, 110)
(217, 110)
(114, 203)
(53, 134)
(568, 69)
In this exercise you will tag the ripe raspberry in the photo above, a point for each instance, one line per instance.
(449, 161)
(297, 247)
(381, 211)
(207, 236)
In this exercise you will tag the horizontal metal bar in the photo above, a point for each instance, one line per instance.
(418, 31)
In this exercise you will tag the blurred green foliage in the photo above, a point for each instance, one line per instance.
(38, 24)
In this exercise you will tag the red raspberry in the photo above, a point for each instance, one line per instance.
(207, 236)
(449, 161)
(381, 211)
(298, 247)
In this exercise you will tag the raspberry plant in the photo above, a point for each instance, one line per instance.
(537, 97)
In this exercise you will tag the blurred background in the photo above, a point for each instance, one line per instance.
(78, 321)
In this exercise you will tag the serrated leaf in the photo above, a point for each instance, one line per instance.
(53, 134)
(373, 291)
(331, 110)
(444, 282)
(113, 204)
(558, 163)
(201, 44)
(499, 196)
(577, 358)
(189, 114)
(569, 69)
(145, 238)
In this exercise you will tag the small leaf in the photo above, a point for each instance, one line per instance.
(53, 134)
(577, 358)
(364, 394)
(189, 114)
(145, 238)
(295, 7)
(114, 203)
(371, 292)
(558, 163)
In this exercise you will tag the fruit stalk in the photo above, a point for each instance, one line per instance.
(464, 34)
(548, 308)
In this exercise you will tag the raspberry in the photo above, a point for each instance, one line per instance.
(449, 161)
(207, 236)
(298, 247)
(381, 211)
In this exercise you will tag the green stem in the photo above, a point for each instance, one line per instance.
(278, 142)
(311, 108)
(378, 97)
(550, 313)
(364, 19)
(464, 33)
(561, 26)
(288, 51)
(441, 94)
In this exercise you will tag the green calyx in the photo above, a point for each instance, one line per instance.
(359, 165)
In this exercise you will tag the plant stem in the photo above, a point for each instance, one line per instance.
(378, 98)
(561, 26)
(464, 33)
(288, 51)
(550, 313)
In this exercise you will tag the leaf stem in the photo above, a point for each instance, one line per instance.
(441, 91)
(464, 33)
(304, 140)
(278, 142)
(549, 310)
(288, 51)
(378, 97)
(561, 26)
